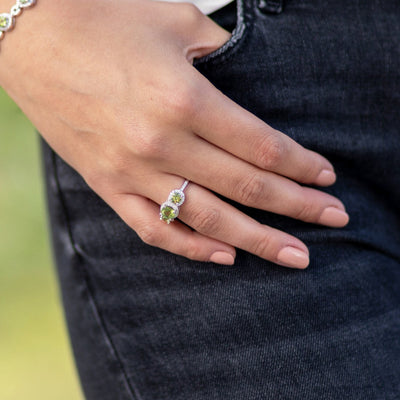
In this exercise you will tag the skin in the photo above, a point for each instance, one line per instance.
(111, 87)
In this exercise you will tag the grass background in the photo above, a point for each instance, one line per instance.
(35, 357)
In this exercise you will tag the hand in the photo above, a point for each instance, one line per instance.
(111, 87)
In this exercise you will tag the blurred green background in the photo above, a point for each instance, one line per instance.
(35, 357)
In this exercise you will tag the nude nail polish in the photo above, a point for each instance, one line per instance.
(220, 257)
(334, 217)
(291, 257)
(325, 178)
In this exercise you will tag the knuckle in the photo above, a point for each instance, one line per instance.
(114, 164)
(262, 247)
(193, 251)
(92, 179)
(181, 103)
(151, 145)
(190, 13)
(270, 152)
(207, 221)
(310, 171)
(119, 164)
(98, 178)
(306, 211)
(252, 190)
(150, 235)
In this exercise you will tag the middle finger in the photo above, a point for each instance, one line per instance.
(252, 186)
(221, 121)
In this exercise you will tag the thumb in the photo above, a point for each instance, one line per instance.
(208, 37)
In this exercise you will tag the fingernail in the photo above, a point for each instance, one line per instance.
(326, 177)
(220, 257)
(292, 257)
(334, 217)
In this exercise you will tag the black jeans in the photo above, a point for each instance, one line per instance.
(146, 324)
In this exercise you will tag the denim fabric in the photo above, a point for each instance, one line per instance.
(146, 324)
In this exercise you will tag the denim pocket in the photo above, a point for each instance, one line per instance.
(224, 18)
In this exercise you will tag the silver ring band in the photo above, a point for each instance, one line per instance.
(169, 210)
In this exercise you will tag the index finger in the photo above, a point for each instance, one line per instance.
(226, 124)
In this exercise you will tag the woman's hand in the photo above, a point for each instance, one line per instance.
(111, 87)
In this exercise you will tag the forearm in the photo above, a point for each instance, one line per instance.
(17, 32)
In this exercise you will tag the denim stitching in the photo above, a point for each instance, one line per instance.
(237, 35)
(129, 386)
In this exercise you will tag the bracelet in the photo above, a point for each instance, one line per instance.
(7, 20)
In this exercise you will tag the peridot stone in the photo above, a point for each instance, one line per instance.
(4, 21)
(167, 213)
(176, 198)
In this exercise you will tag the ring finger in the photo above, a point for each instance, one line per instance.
(212, 217)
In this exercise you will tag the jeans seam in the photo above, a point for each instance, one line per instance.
(226, 51)
(131, 389)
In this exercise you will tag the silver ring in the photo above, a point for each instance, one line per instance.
(169, 210)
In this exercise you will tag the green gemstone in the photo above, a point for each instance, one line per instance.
(176, 198)
(24, 1)
(4, 21)
(167, 213)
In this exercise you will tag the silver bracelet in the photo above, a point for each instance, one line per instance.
(7, 20)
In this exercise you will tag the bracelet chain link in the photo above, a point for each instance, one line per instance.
(7, 20)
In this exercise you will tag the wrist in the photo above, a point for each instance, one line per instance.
(10, 15)
(8, 19)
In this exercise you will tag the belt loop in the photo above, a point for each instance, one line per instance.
(270, 6)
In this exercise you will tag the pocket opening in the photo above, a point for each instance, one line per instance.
(231, 18)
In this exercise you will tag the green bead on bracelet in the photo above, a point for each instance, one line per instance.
(7, 20)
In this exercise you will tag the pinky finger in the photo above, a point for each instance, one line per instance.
(175, 237)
